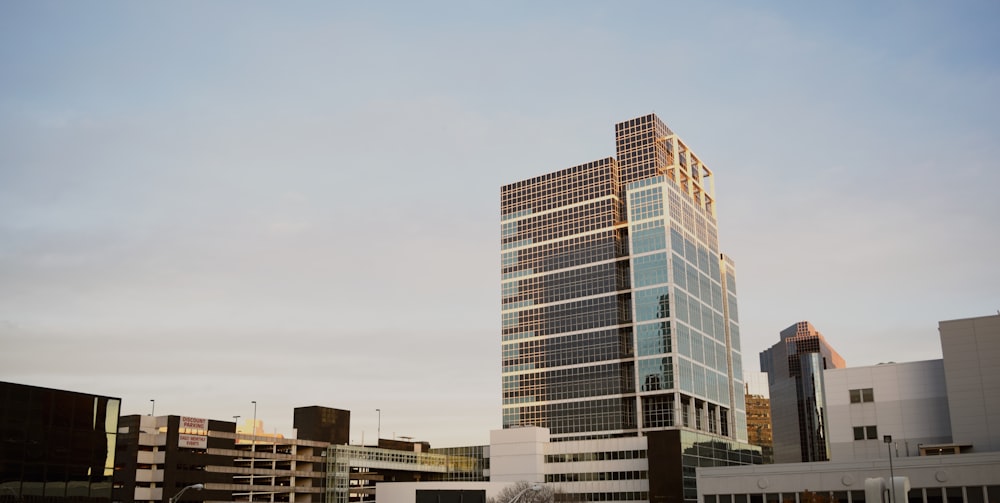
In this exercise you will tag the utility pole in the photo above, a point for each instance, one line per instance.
(892, 478)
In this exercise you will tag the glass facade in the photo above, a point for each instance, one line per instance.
(704, 450)
(618, 309)
(352, 471)
(57, 445)
(465, 463)
(794, 368)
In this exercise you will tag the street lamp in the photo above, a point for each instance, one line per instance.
(236, 419)
(533, 487)
(175, 498)
(253, 447)
(892, 478)
(253, 439)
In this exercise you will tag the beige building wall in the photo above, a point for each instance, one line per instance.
(971, 351)
(518, 454)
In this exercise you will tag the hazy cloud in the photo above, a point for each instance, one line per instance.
(208, 204)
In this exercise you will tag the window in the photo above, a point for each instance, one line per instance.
(862, 395)
(865, 433)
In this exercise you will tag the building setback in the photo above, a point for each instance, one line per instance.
(619, 314)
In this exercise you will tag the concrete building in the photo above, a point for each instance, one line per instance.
(160, 455)
(971, 351)
(794, 367)
(646, 468)
(619, 315)
(966, 478)
(900, 420)
(56, 445)
(759, 425)
(758, 401)
(907, 401)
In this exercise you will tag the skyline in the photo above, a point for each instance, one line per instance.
(298, 205)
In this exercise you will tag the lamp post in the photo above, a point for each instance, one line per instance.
(892, 478)
(175, 498)
(253, 446)
(253, 439)
(533, 487)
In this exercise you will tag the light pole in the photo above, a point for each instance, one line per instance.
(253, 446)
(175, 498)
(892, 478)
(533, 487)
(253, 439)
(378, 432)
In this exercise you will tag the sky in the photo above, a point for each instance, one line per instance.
(207, 204)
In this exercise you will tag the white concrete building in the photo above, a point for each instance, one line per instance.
(969, 478)
(626, 469)
(908, 401)
(971, 350)
(590, 470)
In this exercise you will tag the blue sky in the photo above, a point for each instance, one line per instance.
(209, 203)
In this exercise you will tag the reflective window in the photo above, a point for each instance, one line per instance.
(653, 339)
(649, 270)
(656, 374)
(652, 304)
(648, 236)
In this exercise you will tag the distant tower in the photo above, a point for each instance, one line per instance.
(758, 404)
(794, 368)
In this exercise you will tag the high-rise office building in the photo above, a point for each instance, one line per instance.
(794, 369)
(618, 309)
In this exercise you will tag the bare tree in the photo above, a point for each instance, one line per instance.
(524, 492)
